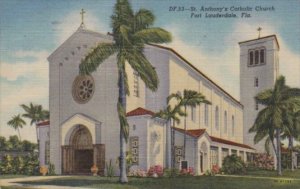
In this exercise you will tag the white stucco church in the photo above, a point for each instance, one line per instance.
(83, 129)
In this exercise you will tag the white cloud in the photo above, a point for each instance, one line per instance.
(38, 67)
(14, 92)
(72, 22)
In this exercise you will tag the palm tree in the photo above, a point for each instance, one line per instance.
(171, 116)
(270, 120)
(190, 98)
(17, 122)
(35, 113)
(131, 31)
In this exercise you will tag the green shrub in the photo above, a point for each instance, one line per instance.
(6, 166)
(18, 165)
(171, 172)
(109, 169)
(31, 165)
(51, 169)
(233, 165)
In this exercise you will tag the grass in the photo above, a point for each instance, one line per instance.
(199, 182)
(266, 173)
(12, 176)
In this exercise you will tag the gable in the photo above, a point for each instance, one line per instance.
(81, 38)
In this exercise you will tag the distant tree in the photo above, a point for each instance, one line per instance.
(3, 143)
(17, 122)
(28, 146)
(14, 143)
(35, 113)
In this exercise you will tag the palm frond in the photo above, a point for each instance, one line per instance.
(176, 96)
(146, 71)
(97, 56)
(153, 35)
(143, 19)
(264, 97)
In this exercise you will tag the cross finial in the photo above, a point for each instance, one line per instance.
(259, 29)
(82, 17)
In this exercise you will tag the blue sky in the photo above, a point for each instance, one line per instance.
(31, 29)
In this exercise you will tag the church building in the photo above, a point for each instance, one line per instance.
(83, 129)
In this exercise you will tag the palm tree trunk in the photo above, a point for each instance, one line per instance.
(173, 146)
(278, 151)
(169, 144)
(19, 134)
(291, 150)
(184, 140)
(122, 100)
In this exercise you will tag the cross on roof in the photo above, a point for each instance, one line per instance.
(259, 29)
(82, 17)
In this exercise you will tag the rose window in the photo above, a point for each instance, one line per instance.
(83, 88)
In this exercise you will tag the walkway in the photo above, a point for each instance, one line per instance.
(13, 182)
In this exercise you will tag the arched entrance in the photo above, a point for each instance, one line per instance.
(81, 154)
(81, 141)
(203, 157)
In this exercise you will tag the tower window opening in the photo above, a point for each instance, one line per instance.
(251, 58)
(256, 106)
(256, 82)
(136, 86)
(256, 56)
(262, 56)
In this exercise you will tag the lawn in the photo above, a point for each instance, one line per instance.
(12, 176)
(199, 182)
(285, 173)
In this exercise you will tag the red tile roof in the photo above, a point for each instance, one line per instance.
(220, 140)
(43, 123)
(198, 132)
(194, 133)
(139, 111)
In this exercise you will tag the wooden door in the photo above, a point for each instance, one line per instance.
(67, 160)
(99, 157)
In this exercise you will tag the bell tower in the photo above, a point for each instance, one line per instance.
(259, 67)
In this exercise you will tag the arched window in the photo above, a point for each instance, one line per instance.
(232, 125)
(256, 56)
(251, 58)
(136, 84)
(217, 118)
(206, 115)
(225, 122)
(262, 56)
(193, 113)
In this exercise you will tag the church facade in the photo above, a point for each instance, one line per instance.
(83, 129)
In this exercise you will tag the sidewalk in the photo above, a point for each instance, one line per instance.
(13, 182)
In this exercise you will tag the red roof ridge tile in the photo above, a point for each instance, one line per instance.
(192, 132)
(140, 111)
(43, 123)
(229, 142)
